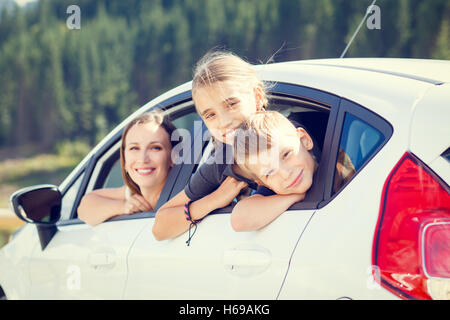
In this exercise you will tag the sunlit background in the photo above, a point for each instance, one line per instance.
(62, 90)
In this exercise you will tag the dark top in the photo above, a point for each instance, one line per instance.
(214, 171)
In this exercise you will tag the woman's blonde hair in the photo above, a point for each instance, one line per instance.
(156, 117)
(217, 66)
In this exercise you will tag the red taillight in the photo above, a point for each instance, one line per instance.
(436, 249)
(407, 252)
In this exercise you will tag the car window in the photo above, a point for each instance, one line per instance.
(358, 141)
(186, 121)
(114, 178)
(107, 170)
(69, 198)
(313, 116)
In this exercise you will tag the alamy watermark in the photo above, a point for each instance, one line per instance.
(249, 149)
(74, 277)
(374, 17)
(74, 20)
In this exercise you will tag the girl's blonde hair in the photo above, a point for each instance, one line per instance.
(217, 66)
(156, 117)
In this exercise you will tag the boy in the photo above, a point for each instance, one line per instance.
(279, 158)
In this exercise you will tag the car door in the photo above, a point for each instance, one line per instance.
(81, 261)
(220, 263)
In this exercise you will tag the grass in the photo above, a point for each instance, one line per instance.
(51, 168)
(20, 173)
(19, 169)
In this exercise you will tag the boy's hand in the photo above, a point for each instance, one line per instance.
(136, 203)
(228, 190)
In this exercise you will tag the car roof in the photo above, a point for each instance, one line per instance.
(387, 86)
(433, 71)
(421, 72)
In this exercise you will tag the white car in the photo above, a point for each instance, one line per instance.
(384, 233)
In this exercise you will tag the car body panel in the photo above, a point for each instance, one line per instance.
(441, 167)
(333, 259)
(84, 262)
(219, 263)
(14, 263)
(426, 69)
(430, 130)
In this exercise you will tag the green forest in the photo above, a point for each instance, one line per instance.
(59, 84)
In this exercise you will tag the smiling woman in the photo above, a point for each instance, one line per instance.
(145, 164)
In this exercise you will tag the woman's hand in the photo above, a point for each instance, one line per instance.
(227, 191)
(136, 203)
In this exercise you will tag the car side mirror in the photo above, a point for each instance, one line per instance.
(39, 204)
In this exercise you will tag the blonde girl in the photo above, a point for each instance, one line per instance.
(226, 91)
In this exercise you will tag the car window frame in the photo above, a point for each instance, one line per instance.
(322, 188)
(68, 186)
(90, 165)
(304, 94)
(366, 115)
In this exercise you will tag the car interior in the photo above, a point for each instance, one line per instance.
(311, 115)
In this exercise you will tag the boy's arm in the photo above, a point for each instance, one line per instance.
(257, 211)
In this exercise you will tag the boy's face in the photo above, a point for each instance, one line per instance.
(288, 166)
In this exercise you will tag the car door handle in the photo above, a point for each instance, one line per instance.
(246, 258)
(101, 259)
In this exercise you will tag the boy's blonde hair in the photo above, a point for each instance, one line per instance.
(258, 134)
(216, 66)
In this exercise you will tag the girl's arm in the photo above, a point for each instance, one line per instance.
(102, 204)
(257, 211)
(170, 220)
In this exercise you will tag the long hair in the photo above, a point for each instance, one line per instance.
(149, 117)
(219, 66)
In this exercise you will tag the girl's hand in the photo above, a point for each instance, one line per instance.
(227, 191)
(136, 203)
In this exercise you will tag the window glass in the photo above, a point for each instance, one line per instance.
(108, 169)
(187, 121)
(358, 142)
(114, 178)
(69, 198)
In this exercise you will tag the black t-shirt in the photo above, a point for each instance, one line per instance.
(213, 172)
(219, 165)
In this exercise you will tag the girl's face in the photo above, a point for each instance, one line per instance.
(147, 155)
(224, 105)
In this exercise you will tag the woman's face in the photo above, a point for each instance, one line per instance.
(147, 155)
(224, 105)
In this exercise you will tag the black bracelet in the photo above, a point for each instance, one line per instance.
(187, 214)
